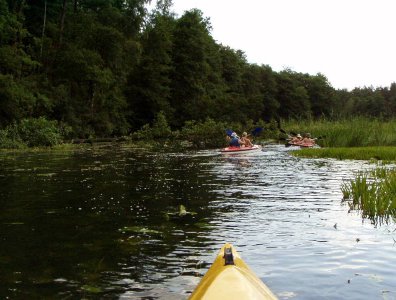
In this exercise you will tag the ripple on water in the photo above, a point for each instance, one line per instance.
(283, 214)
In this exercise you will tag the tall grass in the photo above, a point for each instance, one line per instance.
(374, 194)
(354, 132)
(385, 153)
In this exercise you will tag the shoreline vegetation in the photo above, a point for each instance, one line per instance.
(372, 193)
(30, 133)
(378, 153)
(105, 69)
(355, 138)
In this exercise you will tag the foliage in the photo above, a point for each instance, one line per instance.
(31, 132)
(158, 131)
(9, 139)
(204, 134)
(39, 132)
(106, 68)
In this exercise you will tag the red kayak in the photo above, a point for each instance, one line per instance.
(240, 149)
(302, 144)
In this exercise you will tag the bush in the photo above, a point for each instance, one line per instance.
(206, 134)
(39, 132)
(10, 140)
(159, 130)
(31, 132)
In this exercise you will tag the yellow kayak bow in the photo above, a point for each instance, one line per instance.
(230, 278)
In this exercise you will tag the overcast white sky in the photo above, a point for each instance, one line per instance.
(351, 42)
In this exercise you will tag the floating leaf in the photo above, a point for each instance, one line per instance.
(138, 229)
(91, 289)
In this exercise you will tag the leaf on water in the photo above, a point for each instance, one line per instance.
(91, 289)
(203, 225)
(46, 174)
(21, 170)
(182, 210)
(138, 229)
(14, 223)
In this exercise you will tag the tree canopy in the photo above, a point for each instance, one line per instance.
(106, 68)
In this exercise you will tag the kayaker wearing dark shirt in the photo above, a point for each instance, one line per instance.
(234, 141)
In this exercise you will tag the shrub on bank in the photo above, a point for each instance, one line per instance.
(9, 139)
(31, 132)
(202, 134)
(207, 134)
(39, 132)
(160, 130)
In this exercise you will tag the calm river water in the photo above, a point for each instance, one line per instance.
(91, 223)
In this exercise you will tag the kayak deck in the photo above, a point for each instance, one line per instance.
(232, 149)
(229, 278)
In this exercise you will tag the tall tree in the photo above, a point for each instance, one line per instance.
(259, 93)
(149, 85)
(292, 96)
(193, 61)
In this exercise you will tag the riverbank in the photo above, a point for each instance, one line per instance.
(383, 153)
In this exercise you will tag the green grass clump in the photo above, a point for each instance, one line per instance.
(374, 196)
(359, 153)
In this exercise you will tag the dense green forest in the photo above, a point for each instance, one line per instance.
(102, 68)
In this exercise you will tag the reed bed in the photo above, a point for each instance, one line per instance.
(374, 194)
(384, 153)
(354, 132)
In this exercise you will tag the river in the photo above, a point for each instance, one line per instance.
(93, 223)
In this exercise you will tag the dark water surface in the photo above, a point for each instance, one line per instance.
(92, 224)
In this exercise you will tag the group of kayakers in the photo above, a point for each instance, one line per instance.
(299, 140)
(235, 141)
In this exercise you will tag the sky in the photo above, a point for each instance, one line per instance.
(351, 42)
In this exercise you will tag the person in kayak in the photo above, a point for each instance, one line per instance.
(234, 140)
(296, 139)
(245, 141)
(307, 139)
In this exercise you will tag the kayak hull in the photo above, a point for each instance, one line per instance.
(240, 149)
(232, 281)
(304, 145)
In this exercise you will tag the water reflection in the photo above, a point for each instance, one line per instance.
(92, 223)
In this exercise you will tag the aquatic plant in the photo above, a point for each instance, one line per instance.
(373, 193)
